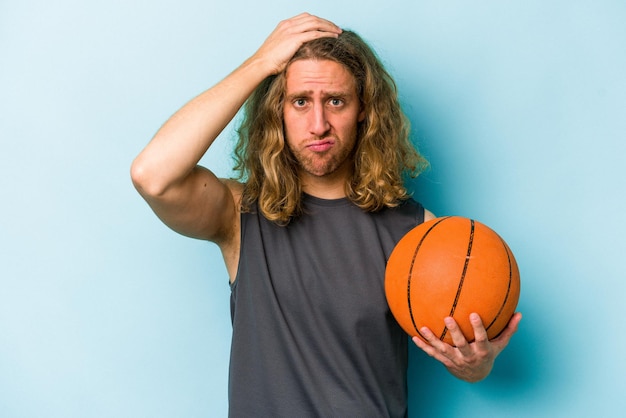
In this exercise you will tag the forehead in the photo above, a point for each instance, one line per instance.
(318, 76)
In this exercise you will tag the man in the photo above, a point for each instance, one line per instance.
(306, 234)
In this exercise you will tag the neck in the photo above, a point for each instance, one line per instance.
(330, 186)
(325, 192)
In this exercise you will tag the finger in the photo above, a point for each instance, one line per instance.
(427, 335)
(503, 339)
(442, 349)
(458, 338)
(422, 344)
(309, 16)
(433, 347)
(480, 333)
(514, 322)
(321, 24)
(433, 341)
(289, 35)
(306, 22)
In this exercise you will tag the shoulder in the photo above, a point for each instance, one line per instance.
(415, 205)
(411, 206)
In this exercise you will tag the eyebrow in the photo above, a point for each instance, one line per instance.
(308, 93)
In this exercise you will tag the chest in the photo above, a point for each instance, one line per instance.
(329, 266)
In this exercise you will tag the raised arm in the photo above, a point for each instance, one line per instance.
(191, 199)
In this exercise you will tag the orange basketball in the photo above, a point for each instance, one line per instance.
(452, 266)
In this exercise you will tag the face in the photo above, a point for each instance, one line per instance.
(321, 113)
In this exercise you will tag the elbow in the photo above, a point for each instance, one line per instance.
(145, 180)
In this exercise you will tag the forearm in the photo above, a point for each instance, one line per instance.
(181, 142)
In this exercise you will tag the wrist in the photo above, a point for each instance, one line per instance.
(259, 67)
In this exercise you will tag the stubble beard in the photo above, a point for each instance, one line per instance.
(322, 164)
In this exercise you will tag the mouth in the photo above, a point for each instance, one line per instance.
(321, 145)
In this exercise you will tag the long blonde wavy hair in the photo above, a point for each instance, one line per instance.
(383, 156)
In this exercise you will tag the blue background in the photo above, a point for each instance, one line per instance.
(104, 312)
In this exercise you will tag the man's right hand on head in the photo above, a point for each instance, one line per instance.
(291, 34)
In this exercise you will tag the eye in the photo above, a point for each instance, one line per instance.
(335, 102)
(299, 102)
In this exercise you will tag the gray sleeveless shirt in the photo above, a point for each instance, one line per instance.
(312, 333)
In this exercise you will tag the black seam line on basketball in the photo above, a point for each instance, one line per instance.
(508, 289)
(462, 279)
(408, 287)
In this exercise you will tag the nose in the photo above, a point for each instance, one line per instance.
(319, 125)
